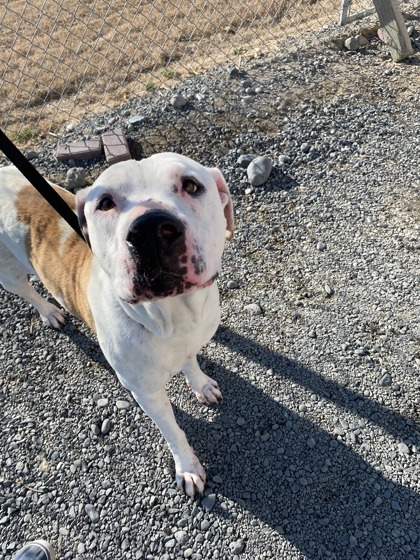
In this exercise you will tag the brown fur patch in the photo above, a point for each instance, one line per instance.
(64, 268)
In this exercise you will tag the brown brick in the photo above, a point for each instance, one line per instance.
(83, 149)
(115, 146)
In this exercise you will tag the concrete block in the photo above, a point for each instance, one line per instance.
(80, 150)
(115, 146)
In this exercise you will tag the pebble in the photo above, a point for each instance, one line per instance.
(92, 513)
(208, 502)
(76, 178)
(106, 426)
(95, 429)
(253, 309)
(244, 160)
(237, 547)
(232, 285)
(283, 160)
(122, 405)
(321, 246)
(259, 170)
(310, 442)
(178, 101)
(385, 380)
(181, 537)
(102, 403)
(328, 290)
(204, 525)
(137, 120)
(351, 44)
(403, 448)
(362, 41)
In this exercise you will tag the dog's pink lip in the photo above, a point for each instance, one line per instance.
(148, 296)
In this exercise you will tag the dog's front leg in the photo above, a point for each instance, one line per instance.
(190, 475)
(205, 388)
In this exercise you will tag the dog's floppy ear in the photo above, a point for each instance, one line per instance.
(80, 211)
(225, 199)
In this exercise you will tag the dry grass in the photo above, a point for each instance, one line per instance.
(59, 62)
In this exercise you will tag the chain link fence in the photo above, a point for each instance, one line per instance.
(61, 61)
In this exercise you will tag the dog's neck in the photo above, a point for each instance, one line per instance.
(178, 315)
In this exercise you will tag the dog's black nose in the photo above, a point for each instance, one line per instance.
(156, 229)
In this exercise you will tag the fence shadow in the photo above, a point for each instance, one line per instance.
(298, 478)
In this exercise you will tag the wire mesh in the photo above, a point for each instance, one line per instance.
(60, 61)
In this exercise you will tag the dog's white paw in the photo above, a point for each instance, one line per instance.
(210, 392)
(191, 478)
(51, 316)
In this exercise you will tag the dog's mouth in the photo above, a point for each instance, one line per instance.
(165, 285)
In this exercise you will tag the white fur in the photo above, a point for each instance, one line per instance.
(149, 341)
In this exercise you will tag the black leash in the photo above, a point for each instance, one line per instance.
(38, 181)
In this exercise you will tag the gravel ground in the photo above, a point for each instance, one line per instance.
(314, 452)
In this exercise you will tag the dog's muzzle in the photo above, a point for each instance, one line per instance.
(156, 241)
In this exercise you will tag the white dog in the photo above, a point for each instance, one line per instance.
(146, 286)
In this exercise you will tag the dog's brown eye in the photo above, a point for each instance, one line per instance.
(189, 186)
(105, 204)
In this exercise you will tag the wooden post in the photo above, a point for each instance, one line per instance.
(395, 31)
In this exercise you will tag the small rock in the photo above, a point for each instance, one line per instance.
(305, 148)
(310, 442)
(321, 246)
(253, 309)
(385, 380)
(204, 525)
(136, 120)
(122, 405)
(237, 547)
(259, 170)
(362, 41)
(95, 429)
(283, 160)
(351, 44)
(76, 178)
(208, 502)
(312, 334)
(247, 99)
(178, 101)
(234, 72)
(106, 426)
(232, 285)
(102, 403)
(181, 537)
(92, 512)
(403, 448)
(328, 290)
(31, 155)
(244, 160)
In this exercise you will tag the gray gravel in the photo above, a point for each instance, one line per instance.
(314, 452)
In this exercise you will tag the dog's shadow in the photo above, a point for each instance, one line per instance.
(294, 476)
(287, 471)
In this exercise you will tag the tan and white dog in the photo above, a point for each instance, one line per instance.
(146, 286)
